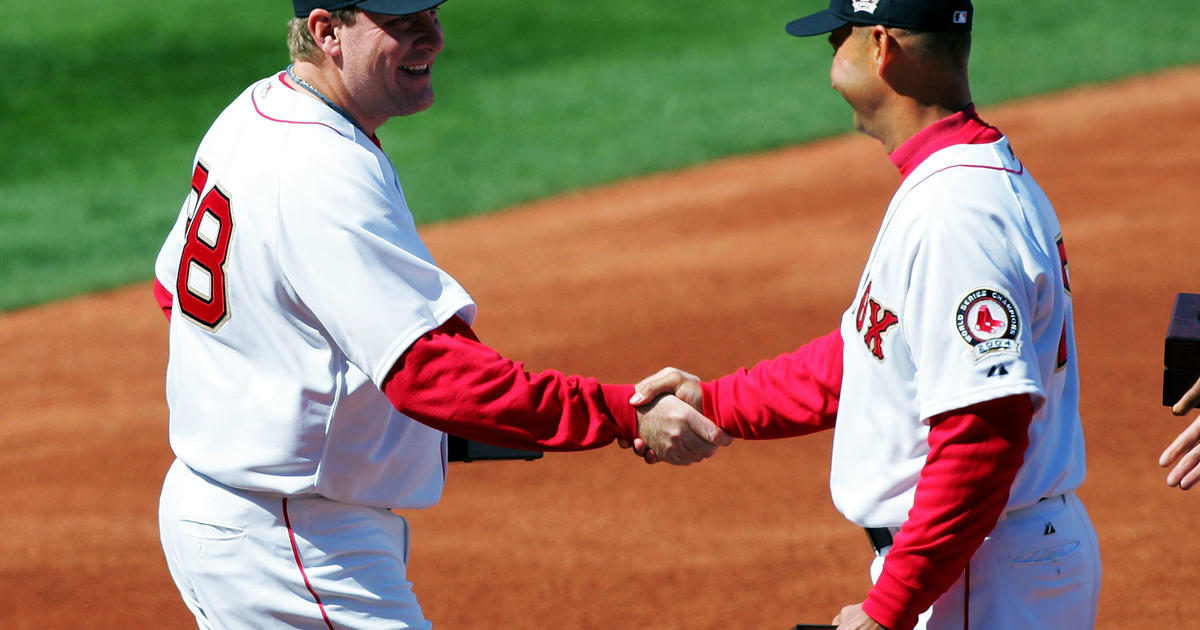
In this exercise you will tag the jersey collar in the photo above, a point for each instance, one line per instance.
(962, 127)
(284, 79)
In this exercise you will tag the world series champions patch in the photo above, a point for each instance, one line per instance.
(988, 321)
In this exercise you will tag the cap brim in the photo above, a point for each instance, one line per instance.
(397, 7)
(818, 23)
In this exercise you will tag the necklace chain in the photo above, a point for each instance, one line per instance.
(317, 93)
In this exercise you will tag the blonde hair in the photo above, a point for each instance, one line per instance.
(301, 46)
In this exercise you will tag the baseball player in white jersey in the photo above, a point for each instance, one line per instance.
(317, 353)
(952, 383)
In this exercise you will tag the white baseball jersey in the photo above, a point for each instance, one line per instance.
(964, 299)
(293, 298)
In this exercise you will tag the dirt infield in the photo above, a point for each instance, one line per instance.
(708, 269)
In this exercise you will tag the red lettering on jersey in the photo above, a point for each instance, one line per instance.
(1062, 257)
(205, 249)
(881, 320)
(1066, 278)
(1062, 349)
(199, 179)
(861, 315)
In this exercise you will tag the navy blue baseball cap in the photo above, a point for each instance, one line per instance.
(387, 7)
(913, 15)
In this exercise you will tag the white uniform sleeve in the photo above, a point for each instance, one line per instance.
(166, 266)
(352, 254)
(970, 302)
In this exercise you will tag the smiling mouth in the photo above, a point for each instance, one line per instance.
(418, 69)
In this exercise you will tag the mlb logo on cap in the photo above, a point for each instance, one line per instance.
(917, 15)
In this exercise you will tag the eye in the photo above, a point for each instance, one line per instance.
(412, 17)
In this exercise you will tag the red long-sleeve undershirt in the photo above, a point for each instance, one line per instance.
(164, 299)
(792, 394)
(974, 455)
(450, 381)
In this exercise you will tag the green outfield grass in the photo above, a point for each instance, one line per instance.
(103, 104)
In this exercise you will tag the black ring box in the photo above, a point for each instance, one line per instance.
(1181, 352)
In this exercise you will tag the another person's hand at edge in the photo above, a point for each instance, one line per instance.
(1184, 452)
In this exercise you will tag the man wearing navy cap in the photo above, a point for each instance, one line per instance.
(318, 355)
(952, 384)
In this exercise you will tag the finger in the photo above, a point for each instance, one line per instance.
(691, 393)
(644, 390)
(698, 447)
(708, 431)
(686, 448)
(681, 454)
(650, 457)
(689, 445)
(639, 446)
(1190, 479)
(664, 381)
(1189, 400)
(1186, 471)
(700, 438)
(623, 443)
(1182, 443)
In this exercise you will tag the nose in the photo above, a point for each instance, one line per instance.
(430, 31)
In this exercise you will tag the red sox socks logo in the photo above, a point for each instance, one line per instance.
(988, 321)
(878, 321)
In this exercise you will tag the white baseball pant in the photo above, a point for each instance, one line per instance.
(1039, 568)
(244, 560)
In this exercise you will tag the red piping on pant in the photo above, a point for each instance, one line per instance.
(287, 520)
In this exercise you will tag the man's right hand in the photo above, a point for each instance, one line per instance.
(672, 431)
(686, 387)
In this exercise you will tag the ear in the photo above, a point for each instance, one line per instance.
(321, 27)
(885, 49)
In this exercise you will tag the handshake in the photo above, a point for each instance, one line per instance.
(670, 421)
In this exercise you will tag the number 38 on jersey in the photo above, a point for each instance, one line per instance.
(200, 283)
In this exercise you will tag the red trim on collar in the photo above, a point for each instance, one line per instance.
(283, 78)
(962, 127)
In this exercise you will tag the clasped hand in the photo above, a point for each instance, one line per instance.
(671, 425)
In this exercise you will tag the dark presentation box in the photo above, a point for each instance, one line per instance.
(1181, 353)
(464, 450)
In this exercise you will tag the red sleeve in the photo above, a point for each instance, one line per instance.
(792, 394)
(974, 456)
(450, 381)
(164, 298)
